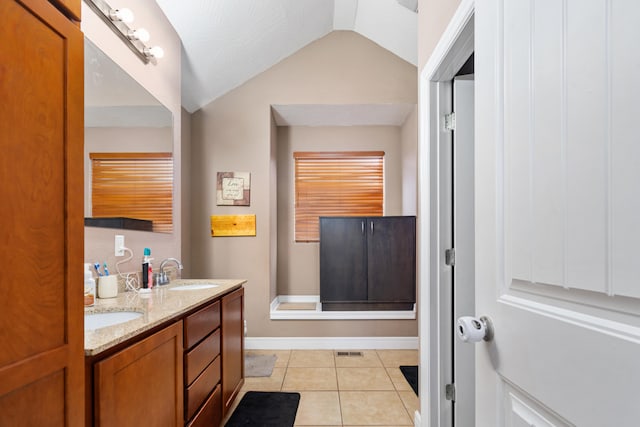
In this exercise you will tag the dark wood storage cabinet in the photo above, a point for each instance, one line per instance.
(368, 263)
(41, 171)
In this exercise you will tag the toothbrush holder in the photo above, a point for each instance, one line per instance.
(108, 286)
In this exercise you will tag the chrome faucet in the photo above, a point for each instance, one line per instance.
(162, 276)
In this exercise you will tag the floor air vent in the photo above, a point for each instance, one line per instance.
(348, 353)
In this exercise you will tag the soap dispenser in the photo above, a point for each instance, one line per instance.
(89, 286)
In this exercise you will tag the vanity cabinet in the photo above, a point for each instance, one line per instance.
(41, 171)
(232, 322)
(368, 263)
(186, 371)
(142, 384)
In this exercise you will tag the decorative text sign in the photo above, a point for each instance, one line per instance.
(233, 188)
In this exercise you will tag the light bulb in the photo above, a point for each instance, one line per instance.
(139, 34)
(155, 52)
(125, 15)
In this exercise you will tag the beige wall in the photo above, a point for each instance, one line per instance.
(433, 18)
(185, 183)
(236, 133)
(273, 210)
(163, 82)
(298, 263)
(409, 165)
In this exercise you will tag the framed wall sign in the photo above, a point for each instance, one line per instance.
(233, 189)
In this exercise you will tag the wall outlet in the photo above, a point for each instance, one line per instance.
(119, 246)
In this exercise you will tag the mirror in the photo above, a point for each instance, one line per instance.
(123, 117)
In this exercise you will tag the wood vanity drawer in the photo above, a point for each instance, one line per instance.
(210, 415)
(201, 387)
(200, 356)
(200, 324)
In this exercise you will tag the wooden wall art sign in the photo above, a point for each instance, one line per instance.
(233, 225)
(233, 189)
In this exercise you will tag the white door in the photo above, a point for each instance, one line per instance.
(463, 242)
(558, 212)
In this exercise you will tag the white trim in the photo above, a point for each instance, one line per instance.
(331, 343)
(440, 66)
(318, 314)
(298, 298)
(612, 328)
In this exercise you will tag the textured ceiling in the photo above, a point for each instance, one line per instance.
(227, 42)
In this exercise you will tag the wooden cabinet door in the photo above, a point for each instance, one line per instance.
(70, 8)
(391, 251)
(343, 259)
(232, 351)
(41, 231)
(142, 384)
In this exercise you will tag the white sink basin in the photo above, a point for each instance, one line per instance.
(194, 287)
(93, 321)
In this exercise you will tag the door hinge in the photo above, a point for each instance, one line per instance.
(450, 121)
(450, 392)
(450, 257)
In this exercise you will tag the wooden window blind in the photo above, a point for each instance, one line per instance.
(133, 185)
(344, 183)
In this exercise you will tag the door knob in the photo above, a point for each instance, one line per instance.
(473, 329)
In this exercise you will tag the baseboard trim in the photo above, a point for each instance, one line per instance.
(417, 419)
(318, 314)
(331, 343)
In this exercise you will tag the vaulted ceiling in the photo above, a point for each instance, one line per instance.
(227, 42)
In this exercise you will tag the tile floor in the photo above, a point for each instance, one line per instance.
(336, 390)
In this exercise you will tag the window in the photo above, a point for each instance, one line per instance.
(349, 183)
(133, 185)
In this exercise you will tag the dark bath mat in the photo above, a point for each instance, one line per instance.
(265, 409)
(411, 375)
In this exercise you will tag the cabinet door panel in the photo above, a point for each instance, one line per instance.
(343, 259)
(41, 77)
(232, 352)
(391, 251)
(142, 384)
(68, 7)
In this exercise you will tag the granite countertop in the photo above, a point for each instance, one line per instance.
(158, 306)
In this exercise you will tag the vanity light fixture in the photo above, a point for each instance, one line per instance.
(139, 34)
(154, 52)
(118, 20)
(125, 15)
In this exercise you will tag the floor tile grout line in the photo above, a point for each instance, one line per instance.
(335, 363)
(387, 371)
